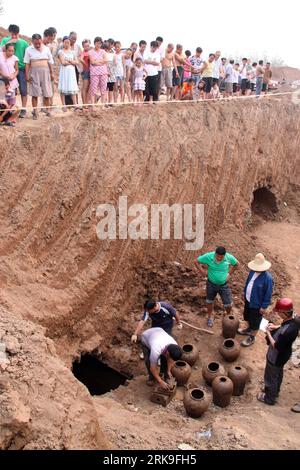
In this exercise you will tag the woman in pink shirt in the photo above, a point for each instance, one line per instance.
(98, 72)
(9, 66)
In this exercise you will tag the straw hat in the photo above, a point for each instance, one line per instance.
(259, 264)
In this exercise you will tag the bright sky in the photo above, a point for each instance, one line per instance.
(254, 28)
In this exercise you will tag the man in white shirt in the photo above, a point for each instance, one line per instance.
(157, 344)
(39, 72)
(217, 67)
(229, 79)
(152, 62)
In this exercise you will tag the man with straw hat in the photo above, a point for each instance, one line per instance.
(258, 293)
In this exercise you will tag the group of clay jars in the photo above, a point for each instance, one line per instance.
(196, 401)
(224, 387)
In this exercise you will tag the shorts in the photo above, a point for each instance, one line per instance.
(265, 87)
(224, 292)
(208, 84)
(40, 84)
(119, 80)
(235, 87)
(177, 81)
(196, 78)
(228, 87)
(166, 77)
(245, 84)
(216, 80)
(98, 84)
(110, 86)
(85, 75)
(252, 316)
(252, 86)
(22, 82)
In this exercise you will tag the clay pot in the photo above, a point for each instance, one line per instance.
(190, 354)
(230, 350)
(196, 402)
(230, 326)
(222, 388)
(181, 371)
(239, 376)
(212, 370)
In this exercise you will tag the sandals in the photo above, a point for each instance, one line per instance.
(150, 383)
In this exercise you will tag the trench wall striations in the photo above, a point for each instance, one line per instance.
(53, 176)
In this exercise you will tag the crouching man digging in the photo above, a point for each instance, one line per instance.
(157, 344)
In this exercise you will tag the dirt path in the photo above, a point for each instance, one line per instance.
(283, 239)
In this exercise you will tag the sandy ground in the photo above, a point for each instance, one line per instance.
(133, 422)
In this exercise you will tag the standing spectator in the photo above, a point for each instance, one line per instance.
(20, 48)
(258, 294)
(245, 82)
(178, 77)
(77, 52)
(267, 78)
(152, 61)
(280, 340)
(140, 52)
(217, 67)
(85, 74)
(222, 85)
(39, 72)
(196, 63)
(67, 75)
(161, 51)
(133, 47)
(259, 77)
(98, 71)
(187, 66)
(229, 79)
(139, 74)
(236, 76)
(9, 68)
(128, 67)
(48, 38)
(253, 77)
(168, 63)
(120, 72)
(112, 71)
(207, 71)
(220, 267)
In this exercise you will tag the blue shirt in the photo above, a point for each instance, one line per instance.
(262, 290)
(163, 318)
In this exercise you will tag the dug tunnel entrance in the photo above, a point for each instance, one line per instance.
(98, 377)
(264, 203)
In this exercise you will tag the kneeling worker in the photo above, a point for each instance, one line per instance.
(157, 344)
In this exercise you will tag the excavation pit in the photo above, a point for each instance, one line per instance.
(98, 377)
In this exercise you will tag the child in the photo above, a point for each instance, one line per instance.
(215, 92)
(85, 74)
(187, 90)
(8, 114)
(139, 83)
(187, 67)
(199, 93)
(128, 67)
(10, 95)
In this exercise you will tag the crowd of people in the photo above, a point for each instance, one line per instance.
(218, 267)
(106, 71)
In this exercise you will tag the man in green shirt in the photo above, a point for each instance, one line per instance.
(220, 266)
(20, 48)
